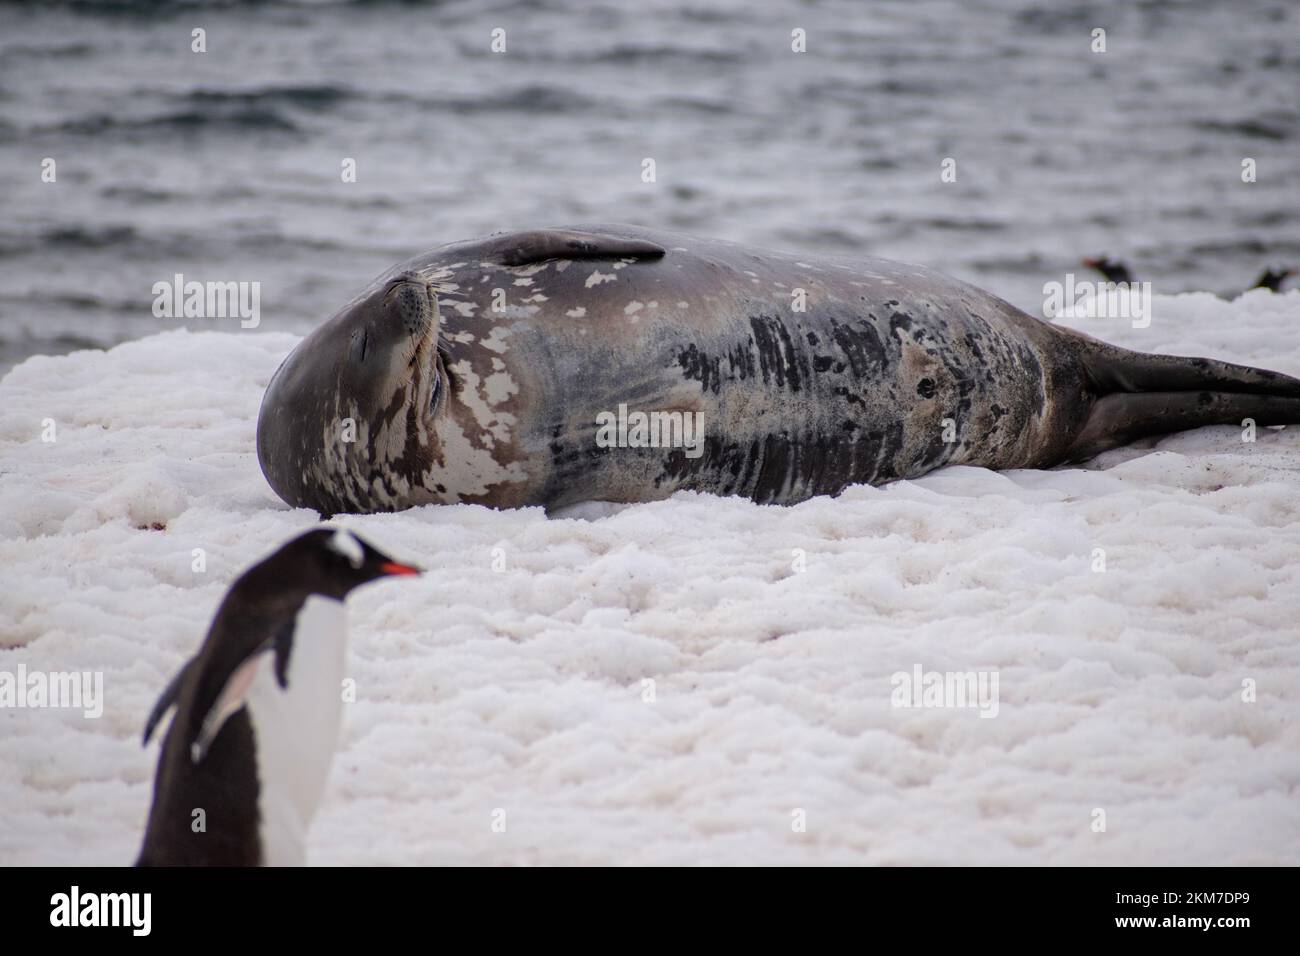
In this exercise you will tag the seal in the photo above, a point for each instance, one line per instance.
(616, 363)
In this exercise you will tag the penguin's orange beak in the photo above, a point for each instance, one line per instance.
(392, 567)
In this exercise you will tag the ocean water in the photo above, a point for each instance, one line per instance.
(225, 165)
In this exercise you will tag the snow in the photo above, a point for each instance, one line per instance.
(521, 689)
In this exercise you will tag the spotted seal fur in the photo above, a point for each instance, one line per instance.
(488, 372)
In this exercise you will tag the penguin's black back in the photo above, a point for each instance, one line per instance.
(224, 785)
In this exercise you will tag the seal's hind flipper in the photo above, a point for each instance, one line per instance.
(522, 248)
(1141, 394)
(1124, 417)
(1114, 369)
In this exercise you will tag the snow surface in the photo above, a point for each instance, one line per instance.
(522, 689)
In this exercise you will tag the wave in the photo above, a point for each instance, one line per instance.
(265, 108)
(318, 96)
(46, 51)
(243, 117)
(273, 109)
(53, 301)
(1250, 128)
(87, 237)
(625, 54)
(534, 98)
(142, 246)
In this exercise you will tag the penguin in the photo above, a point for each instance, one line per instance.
(258, 710)
(1114, 270)
(1272, 278)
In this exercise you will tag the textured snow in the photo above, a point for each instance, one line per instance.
(521, 689)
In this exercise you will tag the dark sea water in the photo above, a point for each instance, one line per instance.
(226, 165)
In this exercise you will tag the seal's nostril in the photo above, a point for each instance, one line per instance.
(411, 303)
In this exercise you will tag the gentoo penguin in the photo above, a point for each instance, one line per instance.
(258, 710)
(1114, 270)
(1272, 278)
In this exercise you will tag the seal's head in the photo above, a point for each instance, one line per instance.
(347, 422)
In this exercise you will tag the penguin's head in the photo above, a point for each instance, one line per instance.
(332, 561)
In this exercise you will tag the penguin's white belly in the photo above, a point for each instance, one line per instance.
(296, 728)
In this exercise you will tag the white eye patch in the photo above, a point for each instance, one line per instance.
(346, 544)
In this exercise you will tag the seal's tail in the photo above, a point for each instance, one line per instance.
(1141, 394)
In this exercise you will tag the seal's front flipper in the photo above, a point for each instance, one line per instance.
(522, 248)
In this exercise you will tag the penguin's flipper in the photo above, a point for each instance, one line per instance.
(234, 693)
(232, 697)
(166, 700)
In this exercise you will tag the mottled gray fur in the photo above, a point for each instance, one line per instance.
(477, 373)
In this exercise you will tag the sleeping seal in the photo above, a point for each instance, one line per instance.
(615, 363)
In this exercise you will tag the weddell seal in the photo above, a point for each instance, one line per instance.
(615, 363)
